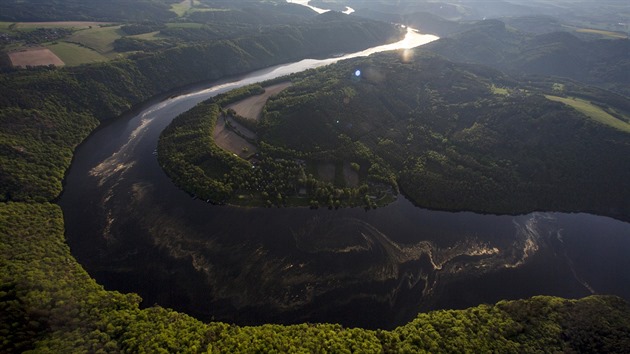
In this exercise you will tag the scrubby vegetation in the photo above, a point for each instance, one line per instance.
(450, 136)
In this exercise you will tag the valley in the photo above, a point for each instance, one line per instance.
(249, 176)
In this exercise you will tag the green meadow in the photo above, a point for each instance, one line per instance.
(101, 39)
(592, 111)
(602, 32)
(181, 8)
(73, 54)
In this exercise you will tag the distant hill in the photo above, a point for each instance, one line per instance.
(243, 11)
(86, 10)
(424, 22)
(534, 24)
(460, 10)
(254, 13)
(430, 23)
(604, 62)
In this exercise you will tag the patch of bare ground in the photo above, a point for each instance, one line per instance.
(326, 171)
(226, 138)
(251, 107)
(350, 175)
(34, 57)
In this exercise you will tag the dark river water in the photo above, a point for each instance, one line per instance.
(134, 231)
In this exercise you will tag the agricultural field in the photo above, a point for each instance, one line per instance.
(58, 43)
(326, 171)
(181, 8)
(251, 107)
(100, 39)
(151, 36)
(73, 54)
(5, 27)
(224, 134)
(187, 7)
(225, 137)
(502, 91)
(34, 57)
(592, 111)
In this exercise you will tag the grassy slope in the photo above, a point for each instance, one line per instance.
(181, 8)
(100, 39)
(73, 54)
(602, 33)
(147, 36)
(592, 111)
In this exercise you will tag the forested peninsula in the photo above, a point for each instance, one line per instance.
(449, 136)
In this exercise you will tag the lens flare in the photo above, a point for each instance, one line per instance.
(407, 55)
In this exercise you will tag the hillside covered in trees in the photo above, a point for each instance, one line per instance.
(48, 303)
(82, 10)
(450, 136)
(601, 62)
(136, 11)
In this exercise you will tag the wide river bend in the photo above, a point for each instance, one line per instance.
(134, 231)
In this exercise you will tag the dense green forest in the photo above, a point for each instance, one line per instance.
(86, 10)
(48, 303)
(450, 136)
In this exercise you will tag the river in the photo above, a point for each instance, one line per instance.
(347, 11)
(134, 231)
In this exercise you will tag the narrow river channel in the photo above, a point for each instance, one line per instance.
(134, 231)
